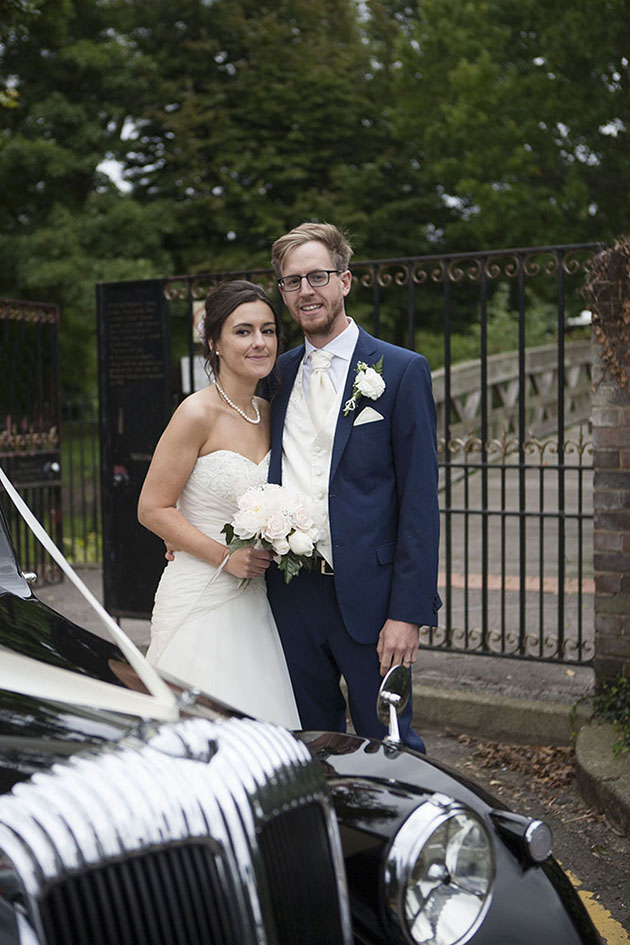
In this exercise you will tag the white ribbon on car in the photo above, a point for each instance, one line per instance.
(162, 702)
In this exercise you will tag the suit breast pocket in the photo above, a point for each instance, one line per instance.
(369, 445)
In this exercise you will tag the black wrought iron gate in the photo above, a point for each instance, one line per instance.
(513, 422)
(29, 425)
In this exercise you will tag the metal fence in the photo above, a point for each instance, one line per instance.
(80, 481)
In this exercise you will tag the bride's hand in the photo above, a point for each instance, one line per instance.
(249, 562)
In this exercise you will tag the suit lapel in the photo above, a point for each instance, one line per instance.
(365, 350)
(288, 370)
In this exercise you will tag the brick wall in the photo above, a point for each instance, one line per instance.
(611, 534)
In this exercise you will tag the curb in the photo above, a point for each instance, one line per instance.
(603, 779)
(496, 718)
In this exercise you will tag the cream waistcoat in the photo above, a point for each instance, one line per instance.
(306, 457)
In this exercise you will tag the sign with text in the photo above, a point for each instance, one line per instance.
(135, 406)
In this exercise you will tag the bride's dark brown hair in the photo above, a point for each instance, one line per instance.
(220, 303)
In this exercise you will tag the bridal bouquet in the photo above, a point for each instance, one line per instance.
(272, 516)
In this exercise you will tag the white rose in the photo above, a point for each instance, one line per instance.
(271, 496)
(302, 518)
(249, 500)
(246, 523)
(281, 546)
(275, 527)
(370, 383)
(301, 543)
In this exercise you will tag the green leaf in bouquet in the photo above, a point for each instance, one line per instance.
(238, 543)
(228, 531)
(290, 564)
(311, 562)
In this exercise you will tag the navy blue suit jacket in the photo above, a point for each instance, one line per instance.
(383, 506)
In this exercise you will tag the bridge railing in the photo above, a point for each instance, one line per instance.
(505, 387)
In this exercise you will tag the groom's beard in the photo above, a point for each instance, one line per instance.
(324, 323)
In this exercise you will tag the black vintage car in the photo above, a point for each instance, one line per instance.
(134, 813)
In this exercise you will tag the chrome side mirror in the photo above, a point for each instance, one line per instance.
(393, 696)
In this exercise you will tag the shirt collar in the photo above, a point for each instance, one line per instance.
(341, 346)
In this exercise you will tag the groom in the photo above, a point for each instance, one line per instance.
(353, 428)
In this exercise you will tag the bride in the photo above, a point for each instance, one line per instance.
(207, 631)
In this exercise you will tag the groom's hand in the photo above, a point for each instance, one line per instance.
(397, 643)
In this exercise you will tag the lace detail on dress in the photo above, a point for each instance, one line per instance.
(226, 475)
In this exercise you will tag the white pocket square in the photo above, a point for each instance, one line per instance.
(368, 415)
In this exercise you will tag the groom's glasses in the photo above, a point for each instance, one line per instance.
(316, 279)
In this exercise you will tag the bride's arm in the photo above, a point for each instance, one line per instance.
(172, 463)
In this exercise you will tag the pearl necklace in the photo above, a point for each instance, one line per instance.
(235, 407)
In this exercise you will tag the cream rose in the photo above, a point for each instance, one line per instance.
(246, 523)
(370, 383)
(301, 543)
(281, 546)
(275, 527)
(302, 518)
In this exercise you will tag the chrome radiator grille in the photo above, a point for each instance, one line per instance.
(171, 896)
(213, 832)
(297, 862)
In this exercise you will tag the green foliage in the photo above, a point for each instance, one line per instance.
(271, 113)
(8, 98)
(502, 330)
(110, 239)
(433, 127)
(612, 704)
(82, 551)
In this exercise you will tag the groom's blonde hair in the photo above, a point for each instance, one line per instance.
(335, 241)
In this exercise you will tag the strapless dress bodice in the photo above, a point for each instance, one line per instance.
(210, 497)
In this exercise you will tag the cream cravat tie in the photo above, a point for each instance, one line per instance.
(321, 392)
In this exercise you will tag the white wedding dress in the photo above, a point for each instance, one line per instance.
(205, 630)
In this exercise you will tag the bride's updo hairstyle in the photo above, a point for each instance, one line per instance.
(220, 303)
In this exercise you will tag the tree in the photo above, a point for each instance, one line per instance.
(258, 135)
(522, 113)
(75, 80)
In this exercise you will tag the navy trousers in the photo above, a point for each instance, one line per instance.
(319, 650)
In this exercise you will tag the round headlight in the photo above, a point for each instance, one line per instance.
(439, 872)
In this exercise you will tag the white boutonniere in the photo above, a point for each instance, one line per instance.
(368, 382)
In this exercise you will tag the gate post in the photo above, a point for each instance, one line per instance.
(608, 293)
